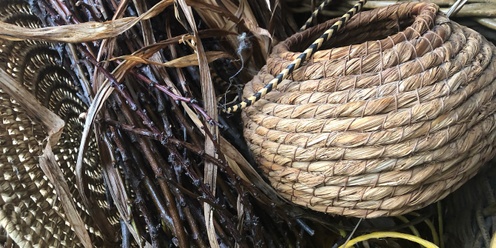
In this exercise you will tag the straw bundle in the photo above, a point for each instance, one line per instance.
(397, 113)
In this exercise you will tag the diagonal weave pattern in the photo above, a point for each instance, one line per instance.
(30, 211)
(382, 126)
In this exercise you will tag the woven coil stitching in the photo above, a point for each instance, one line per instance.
(394, 114)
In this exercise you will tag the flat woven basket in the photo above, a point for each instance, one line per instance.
(394, 114)
(31, 212)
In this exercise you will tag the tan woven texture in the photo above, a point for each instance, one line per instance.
(394, 114)
(30, 210)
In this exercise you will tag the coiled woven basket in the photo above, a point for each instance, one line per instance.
(31, 211)
(394, 114)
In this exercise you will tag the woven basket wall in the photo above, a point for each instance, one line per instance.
(395, 113)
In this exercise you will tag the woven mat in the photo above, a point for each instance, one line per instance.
(30, 211)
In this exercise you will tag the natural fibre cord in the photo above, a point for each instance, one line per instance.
(397, 113)
(30, 211)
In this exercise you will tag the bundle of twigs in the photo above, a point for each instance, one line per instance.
(104, 141)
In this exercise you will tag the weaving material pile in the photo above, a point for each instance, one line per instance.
(394, 114)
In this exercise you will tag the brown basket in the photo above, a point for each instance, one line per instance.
(397, 113)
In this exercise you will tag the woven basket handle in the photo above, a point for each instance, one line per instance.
(295, 64)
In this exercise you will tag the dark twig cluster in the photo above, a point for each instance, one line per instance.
(153, 140)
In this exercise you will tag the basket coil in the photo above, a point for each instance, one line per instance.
(394, 114)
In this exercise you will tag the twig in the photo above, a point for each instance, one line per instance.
(151, 157)
(132, 177)
(190, 101)
(139, 198)
(162, 138)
